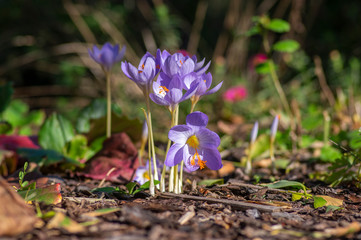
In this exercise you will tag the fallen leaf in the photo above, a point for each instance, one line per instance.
(16, 216)
(118, 152)
(8, 162)
(101, 212)
(61, 221)
(354, 227)
(328, 201)
(49, 195)
(14, 142)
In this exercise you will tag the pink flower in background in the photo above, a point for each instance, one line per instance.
(235, 94)
(257, 59)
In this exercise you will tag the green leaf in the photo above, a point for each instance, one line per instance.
(55, 133)
(332, 208)
(132, 127)
(278, 25)
(77, 147)
(297, 196)
(286, 46)
(253, 31)
(287, 184)
(330, 154)
(104, 190)
(5, 127)
(265, 67)
(145, 186)
(130, 186)
(210, 182)
(48, 195)
(45, 157)
(6, 91)
(318, 202)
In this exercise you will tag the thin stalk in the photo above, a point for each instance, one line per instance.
(272, 155)
(176, 179)
(150, 173)
(109, 110)
(162, 178)
(151, 139)
(326, 127)
(181, 177)
(171, 187)
(248, 169)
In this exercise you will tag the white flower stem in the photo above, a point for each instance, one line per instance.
(248, 169)
(176, 180)
(171, 180)
(150, 172)
(181, 177)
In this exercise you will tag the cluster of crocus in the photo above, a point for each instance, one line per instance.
(168, 79)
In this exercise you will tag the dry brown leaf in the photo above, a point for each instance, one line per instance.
(330, 201)
(16, 216)
(354, 227)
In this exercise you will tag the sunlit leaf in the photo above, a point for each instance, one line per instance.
(297, 196)
(48, 195)
(101, 212)
(319, 202)
(278, 25)
(287, 184)
(61, 221)
(210, 182)
(327, 201)
(286, 46)
(130, 186)
(330, 154)
(77, 147)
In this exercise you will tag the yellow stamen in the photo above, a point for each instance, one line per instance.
(196, 159)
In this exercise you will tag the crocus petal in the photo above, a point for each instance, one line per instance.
(204, 69)
(213, 158)
(175, 96)
(208, 138)
(215, 89)
(190, 92)
(197, 118)
(175, 155)
(158, 100)
(198, 65)
(187, 67)
(121, 54)
(180, 134)
(189, 79)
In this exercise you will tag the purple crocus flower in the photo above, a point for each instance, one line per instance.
(107, 56)
(203, 81)
(254, 132)
(195, 144)
(143, 76)
(177, 64)
(198, 67)
(142, 173)
(169, 91)
(274, 126)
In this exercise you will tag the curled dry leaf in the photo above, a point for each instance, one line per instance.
(15, 216)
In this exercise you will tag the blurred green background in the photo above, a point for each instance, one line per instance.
(44, 48)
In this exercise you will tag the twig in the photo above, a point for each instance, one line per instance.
(91, 200)
(232, 203)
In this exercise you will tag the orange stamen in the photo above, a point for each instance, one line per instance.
(158, 67)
